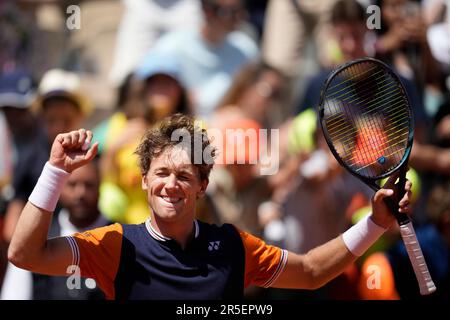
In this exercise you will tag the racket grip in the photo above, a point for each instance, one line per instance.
(426, 284)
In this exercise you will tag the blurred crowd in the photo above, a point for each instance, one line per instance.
(232, 64)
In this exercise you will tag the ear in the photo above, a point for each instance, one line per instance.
(203, 186)
(144, 182)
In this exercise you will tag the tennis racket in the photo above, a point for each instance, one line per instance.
(368, 124)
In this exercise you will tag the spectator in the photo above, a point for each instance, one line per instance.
(142, 24)
(236, 187)
(402, 42)
(61, 103)
(60, 106)
(257, 90)
(211, 55)
(28, 141)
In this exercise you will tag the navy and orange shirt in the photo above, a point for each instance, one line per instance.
(136, 262)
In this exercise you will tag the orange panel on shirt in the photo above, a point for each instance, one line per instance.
(262, 261)
(100, 251)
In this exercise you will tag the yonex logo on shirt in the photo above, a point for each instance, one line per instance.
(214, 245)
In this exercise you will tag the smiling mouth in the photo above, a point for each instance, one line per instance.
(171, 200)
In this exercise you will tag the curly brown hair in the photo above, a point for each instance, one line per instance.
(178, 130)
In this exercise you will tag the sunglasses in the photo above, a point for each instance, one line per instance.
(226, 12)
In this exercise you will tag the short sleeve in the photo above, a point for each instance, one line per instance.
(97, 253)
(263, 263)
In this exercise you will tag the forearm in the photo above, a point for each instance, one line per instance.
(430, 158)
(317, 267)
(323, 263)
(283, 52)
(331, 259)
(328, 261)
(430, 65)
(29, 240)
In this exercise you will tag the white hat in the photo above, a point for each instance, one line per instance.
(438, 36)
(439, 41)
(61, 83)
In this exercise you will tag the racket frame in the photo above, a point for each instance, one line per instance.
(426, 284)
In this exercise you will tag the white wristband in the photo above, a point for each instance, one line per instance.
(46, 193)
(362, 236)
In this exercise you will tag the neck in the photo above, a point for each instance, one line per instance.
(212, 36)
(85, 222)
(181, 232)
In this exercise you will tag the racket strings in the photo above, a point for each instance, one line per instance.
(400, 116)
(397, 97)
(367, 118)
(358, 95)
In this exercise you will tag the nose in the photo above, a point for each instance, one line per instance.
(80, 190)
(171, 183)
(349, 44)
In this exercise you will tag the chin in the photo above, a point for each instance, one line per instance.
(165, 211)
(167, 215)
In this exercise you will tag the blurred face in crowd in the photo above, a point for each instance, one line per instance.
(225, 14)
(393, 11)
(60, 115)
(19, 120)
(80, 195)
(242, 174)
(351, 39)
(260, 96)
(162, 94)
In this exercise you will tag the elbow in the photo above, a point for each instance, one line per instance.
(18, 258)
(14, 256)
(316, 283)
(314, 278)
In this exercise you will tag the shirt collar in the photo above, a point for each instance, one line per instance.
(158, 236)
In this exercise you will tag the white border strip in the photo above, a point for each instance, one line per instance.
(279, 270)
(75, 250)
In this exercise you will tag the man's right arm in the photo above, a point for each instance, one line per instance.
(29, 248)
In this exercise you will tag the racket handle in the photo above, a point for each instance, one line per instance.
(426, 284)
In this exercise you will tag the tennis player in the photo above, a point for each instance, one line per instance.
(172, 255)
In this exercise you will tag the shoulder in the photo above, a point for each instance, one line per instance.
(176, 39)
(102, 233)
(320, 77)
(243, 42)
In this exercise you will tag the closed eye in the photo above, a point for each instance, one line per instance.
(161, 174)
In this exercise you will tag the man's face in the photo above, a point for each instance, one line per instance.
(351, 40)
(226, 14)
(81, 192)
(173, 186)
(19, 120)
(60, 116)
(393, 11)
(162, 95)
